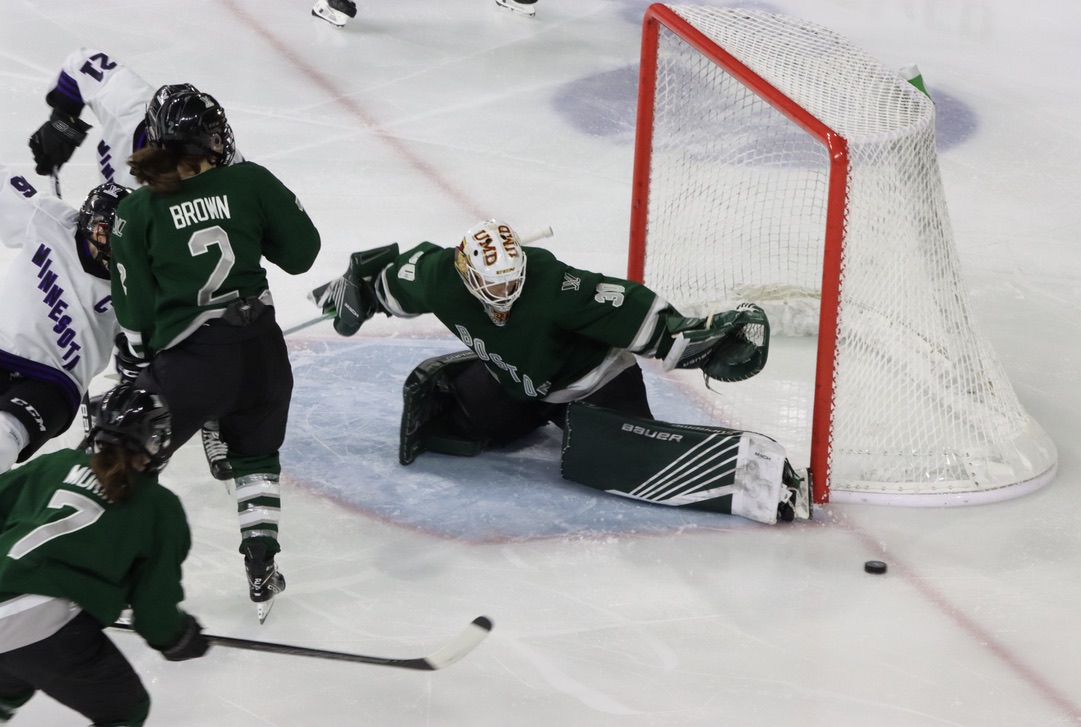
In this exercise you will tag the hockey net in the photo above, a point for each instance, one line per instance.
(779, 164)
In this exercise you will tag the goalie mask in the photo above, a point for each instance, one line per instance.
(492, 263)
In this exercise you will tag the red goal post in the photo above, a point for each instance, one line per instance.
(778, 163)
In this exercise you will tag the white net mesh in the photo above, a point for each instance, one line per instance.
(737, 201)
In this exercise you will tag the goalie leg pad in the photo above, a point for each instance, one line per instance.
(680, 465)
(426, 402)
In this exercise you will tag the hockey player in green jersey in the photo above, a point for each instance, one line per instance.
(542, 335)
(191, 295)
(81, 537)
(97, 82)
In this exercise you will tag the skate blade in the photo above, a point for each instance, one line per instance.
(528, 12)
(333, 22)
(262, 609)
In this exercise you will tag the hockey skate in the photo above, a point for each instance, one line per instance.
(525, 7)
(265, 581)
(216, 452)
(335, 12)
(796, 502)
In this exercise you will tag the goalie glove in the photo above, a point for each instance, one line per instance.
(729, 346)
(352, 299)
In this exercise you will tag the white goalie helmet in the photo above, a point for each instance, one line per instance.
(492, 264)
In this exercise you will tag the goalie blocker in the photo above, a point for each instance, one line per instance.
(680, 465)
(351, 299)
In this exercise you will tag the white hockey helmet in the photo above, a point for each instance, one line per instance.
(492, 263)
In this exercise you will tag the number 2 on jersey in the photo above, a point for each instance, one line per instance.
(198, 244)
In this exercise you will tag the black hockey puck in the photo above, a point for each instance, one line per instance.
(874, 566)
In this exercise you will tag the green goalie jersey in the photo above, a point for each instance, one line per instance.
(60, 537)
(179, 259)
(568, 333)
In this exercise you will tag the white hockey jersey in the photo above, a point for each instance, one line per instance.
(118, 97)
(59, 322)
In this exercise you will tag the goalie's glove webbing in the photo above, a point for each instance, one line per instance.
(729, 346)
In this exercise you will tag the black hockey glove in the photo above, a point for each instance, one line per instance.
(56, 140)
(732, 346)
(128, 364)
(191, 644)
(351, 303)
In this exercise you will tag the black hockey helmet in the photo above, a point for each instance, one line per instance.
(98, 214)
(164, 92)
(136, 420)
(190, 123)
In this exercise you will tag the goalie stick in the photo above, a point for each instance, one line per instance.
(452, 652)
(316, 295)
(537, 236)
(313, 321)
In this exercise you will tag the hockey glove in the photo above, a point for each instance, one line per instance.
(729, 346)
(56, 140)
(352, 298)
(128, 363)
(191, 644)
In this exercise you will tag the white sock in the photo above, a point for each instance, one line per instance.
(13, 439)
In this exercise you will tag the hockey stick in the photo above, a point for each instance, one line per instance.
(454, 651)
(307, 324)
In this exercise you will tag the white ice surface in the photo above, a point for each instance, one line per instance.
(417, 120)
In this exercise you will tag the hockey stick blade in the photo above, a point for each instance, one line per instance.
(460, 646)
(453, 652)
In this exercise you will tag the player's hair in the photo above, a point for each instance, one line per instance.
(132, 433)
(115, 468)
(184, 128)
(160, 169)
